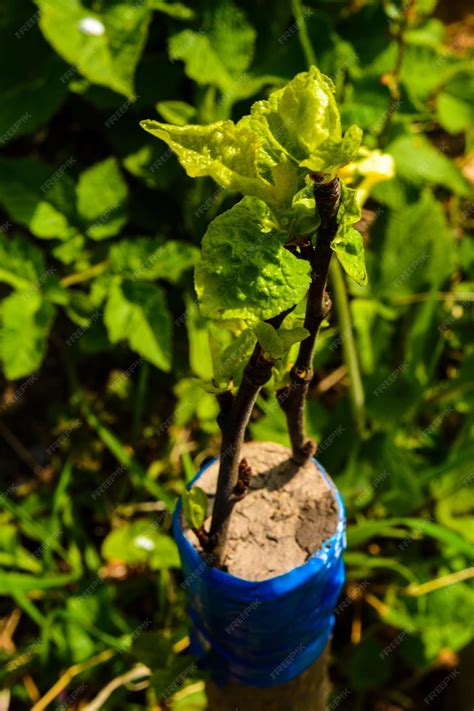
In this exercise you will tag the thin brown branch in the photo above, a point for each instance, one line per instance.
(292, 397)
(256, 373)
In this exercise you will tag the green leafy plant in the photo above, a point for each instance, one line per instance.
(394, 362)
(269, 254)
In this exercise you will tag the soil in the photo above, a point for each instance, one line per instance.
(286, 515)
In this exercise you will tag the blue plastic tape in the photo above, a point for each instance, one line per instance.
(264, 633)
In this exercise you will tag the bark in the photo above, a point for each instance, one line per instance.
(233, 420)
(292, 398)
(308, 692)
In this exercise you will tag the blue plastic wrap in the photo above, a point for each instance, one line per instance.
(263, 633)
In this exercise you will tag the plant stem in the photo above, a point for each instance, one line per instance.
(141, 393)
(292, 397)
(395, 74)
(69, 675)
(300, 17)
(341, 304)
(233, 422)
(337, 279)
(87, 274)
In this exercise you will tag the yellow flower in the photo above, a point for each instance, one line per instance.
(373, 167)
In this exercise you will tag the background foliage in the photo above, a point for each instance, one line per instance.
(102, 420)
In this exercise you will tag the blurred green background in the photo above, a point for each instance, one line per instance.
(102, 420)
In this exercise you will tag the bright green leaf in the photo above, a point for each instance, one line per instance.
(26, 320)
(245, 271)
(302, 119)
(38, 196)
(226, 152)
(177, 112)
(454, 114)
(269, 340)
(137, 313)
(290, 336)
(177, 10)
(234, 357)
(13, 584)
(195, 507)
(430, 166)
(268, 153)
(349, 209)
(141, 542)
(147, 259)
(103, 46)
(349, 248)
(417, 248)
(21, 262)
(101, 199)
(221, 51)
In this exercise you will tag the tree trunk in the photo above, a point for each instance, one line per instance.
(308, 692)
